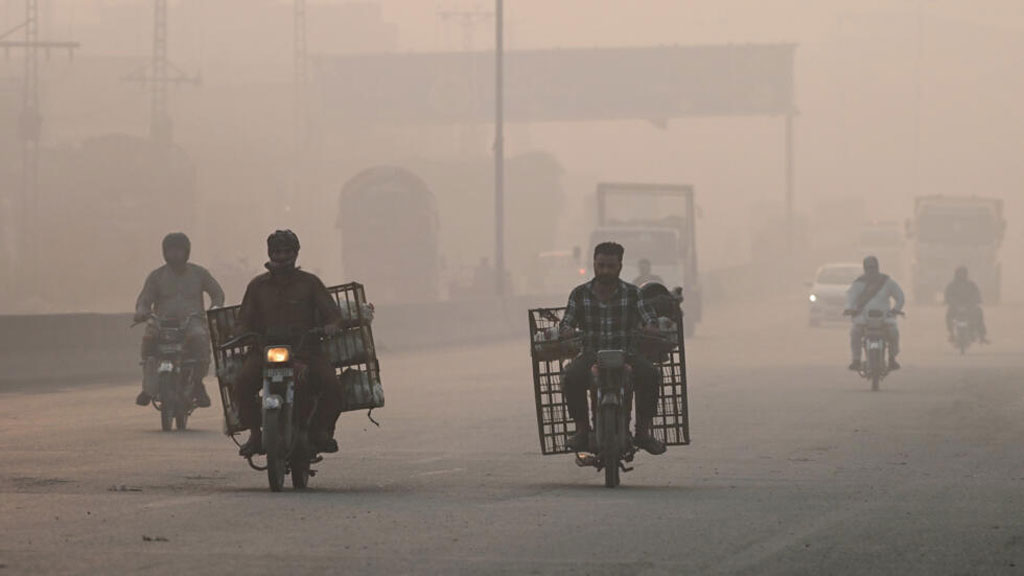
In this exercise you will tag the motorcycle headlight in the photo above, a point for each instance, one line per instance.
(272, 402)
(278, 355)
(813, 298)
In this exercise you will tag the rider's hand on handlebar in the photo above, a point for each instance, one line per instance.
(140, 317)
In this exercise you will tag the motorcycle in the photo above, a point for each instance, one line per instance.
(286, 440)
(176, 373)
(610, 402)
(963, 332)
(875, 344)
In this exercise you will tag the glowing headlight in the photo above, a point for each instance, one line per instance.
(278, 355)
(813, 298)
(272, 402)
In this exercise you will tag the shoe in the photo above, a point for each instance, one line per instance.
(143, 399)
(855, 366)
(580, 441)
(893, 365)
(252, 446)
(648, 443)
(326, 446)
(201, 397)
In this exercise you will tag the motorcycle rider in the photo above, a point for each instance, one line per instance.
(964, 293)
(644, 267)
(873, 291)
(607, 310)
(282, 305)
(175, 290)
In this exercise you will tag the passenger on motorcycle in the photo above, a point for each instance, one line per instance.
(607, 310)
(282, 305)
(964, 293)
(874, 291)
(175, 290)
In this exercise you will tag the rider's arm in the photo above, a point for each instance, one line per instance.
(975, 294)
(247, 320)
(852, 294)
(570, 318)
(897, 293)
(144, 303)
(212, 287)
(648, 316)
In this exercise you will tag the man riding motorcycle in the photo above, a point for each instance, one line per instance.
(964, 293)
(874, 291)
(175, 291)
(284, 304)
(607, 310)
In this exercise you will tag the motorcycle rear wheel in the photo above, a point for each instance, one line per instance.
(273, 444)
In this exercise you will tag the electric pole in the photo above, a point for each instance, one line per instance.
(499, 146)
(300, 123)
(30, 125)
(160, 75)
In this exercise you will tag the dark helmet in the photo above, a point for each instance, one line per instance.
(871, 264)
(177, 240)
(961, 273)
(283, 239)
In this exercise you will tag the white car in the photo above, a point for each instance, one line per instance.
(828, 291)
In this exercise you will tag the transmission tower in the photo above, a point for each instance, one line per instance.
(30, 124)
(160, 75)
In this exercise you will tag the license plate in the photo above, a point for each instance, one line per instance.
(278, 374)
(874, 345)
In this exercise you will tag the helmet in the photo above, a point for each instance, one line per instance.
(871, 264)
(961, 273)
(177, 240)
(283, 239)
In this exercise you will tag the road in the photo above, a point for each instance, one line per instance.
(795, 468)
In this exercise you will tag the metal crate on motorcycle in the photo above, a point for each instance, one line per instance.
(351, 352)
(550, 353)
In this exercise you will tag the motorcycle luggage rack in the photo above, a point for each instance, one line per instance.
(352, 350)
(554, 426)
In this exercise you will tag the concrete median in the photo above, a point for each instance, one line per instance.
(69, 348)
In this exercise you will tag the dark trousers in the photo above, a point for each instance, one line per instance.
(975, 316)
(319, 378)
(576, 383)
(197, 347)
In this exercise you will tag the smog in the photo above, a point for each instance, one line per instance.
(448, 170)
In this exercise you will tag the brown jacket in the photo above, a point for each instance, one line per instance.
(283, 307)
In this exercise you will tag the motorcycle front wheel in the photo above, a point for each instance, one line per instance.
(611, 444)
(167, 403)
(273, 443)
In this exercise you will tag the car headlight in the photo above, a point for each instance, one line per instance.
(278, 355)
(813, 298)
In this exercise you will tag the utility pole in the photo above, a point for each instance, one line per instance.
(499, 147)
(161, 74)
(300, 124)
(30, 125)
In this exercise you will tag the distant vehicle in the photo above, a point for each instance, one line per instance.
(828, 291)
(952, 231)
(655, 222)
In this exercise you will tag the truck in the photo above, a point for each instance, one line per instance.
(657, 223)
(952, 231)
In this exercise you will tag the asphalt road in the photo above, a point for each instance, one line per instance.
(795, 468)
